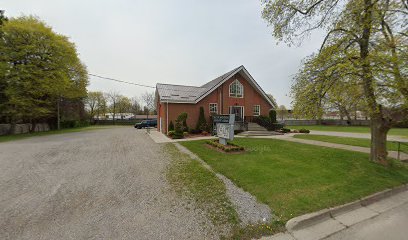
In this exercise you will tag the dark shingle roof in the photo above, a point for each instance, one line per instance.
(192, 94)
(188, 94)
(179, 93)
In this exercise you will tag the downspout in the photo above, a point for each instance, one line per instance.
(167, 118)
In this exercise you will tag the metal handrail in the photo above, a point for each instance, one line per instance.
(399, 148)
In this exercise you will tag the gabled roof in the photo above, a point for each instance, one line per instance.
(179, 93)
(192, 94)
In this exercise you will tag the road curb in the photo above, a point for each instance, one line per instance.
(322, 215)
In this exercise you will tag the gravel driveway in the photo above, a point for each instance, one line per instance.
(101, 184)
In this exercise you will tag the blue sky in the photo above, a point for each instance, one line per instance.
(178, 42)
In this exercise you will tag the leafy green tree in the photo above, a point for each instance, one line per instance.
(124, 106)
(365, 40)
(114, 98)
(39, 69)
(91, 102)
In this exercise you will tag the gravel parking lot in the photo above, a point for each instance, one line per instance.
(101, 184)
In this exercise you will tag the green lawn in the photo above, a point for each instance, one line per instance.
(352, 129)
(15, 137)
(360, 142)
(294, 179)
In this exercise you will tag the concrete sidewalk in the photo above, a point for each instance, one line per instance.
(340, 223)
(289, 137)
(357, 135)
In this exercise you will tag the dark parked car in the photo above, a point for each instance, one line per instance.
(146, 123)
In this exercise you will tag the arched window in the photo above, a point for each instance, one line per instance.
(236, 89)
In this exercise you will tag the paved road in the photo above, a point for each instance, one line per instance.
(391, 225)
(102, 184)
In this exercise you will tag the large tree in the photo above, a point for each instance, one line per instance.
(366, 39)
(39, 69)
(150, 103)
(113, 98)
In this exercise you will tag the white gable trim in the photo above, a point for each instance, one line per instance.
(231, 75)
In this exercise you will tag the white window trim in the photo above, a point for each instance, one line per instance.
(259, 110)
(242, 89)
(216, 107)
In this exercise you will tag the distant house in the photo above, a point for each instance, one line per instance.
(124, 116)
(233, 92)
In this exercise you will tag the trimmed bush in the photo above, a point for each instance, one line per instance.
(285, 130)
(179, 126)
(303, 130)
(171, 133)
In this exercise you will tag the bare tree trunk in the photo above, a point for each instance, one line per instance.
(379, 130)
(378, 150)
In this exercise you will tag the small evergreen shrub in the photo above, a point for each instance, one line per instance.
(179, 126)
(202, 122)
(272, 115)
(171, 126)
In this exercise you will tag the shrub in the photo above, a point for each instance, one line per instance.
(185, 134)
(171, 133)
(177, 135)
(303, 130)
(179, 126)
(201, 123)
(171, 126)
(285, 130)
(230, 147)
(185, 127)
(272, 115)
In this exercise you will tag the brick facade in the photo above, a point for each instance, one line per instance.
(220, 96)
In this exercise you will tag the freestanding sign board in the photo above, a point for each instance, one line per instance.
(224, 127)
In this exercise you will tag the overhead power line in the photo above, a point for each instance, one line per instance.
(117, 80)
(137, 84)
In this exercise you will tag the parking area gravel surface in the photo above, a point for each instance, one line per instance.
(102, 184)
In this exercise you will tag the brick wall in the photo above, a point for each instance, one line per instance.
(219, 96)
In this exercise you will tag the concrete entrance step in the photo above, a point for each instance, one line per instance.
(259, 133)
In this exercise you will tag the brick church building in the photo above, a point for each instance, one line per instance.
(233, 92)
